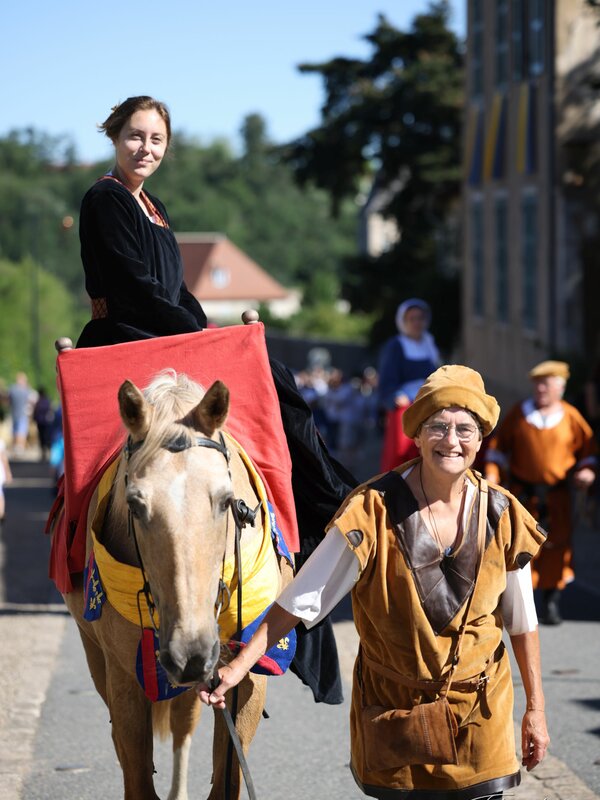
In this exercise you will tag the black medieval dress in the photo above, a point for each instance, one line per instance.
(134, 277)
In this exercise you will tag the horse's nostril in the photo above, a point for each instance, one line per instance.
(189, 668)
(166, 661)
(197, 669)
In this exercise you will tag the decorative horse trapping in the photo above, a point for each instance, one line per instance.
(107, 579)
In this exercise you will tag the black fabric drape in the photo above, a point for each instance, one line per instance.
(320, 484)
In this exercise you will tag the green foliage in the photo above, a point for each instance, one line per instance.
(32, 300)
(396, 115)
(40, 187)
(254, 200)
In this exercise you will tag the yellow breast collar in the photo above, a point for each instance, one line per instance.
(260, 570)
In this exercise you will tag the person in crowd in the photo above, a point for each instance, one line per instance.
(19, 398)
(134, 277)
(5, 477)
(312, 385)
(43, 416)
(337, 404)
(542, 446)
(438, 564)
(406, 360)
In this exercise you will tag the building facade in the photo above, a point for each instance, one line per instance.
(523, 272)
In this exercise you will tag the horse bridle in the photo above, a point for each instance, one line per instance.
(242, 516)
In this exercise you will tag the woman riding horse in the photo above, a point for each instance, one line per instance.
(134, 277)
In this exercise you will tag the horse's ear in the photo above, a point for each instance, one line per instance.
(136, 413)
(211, 412)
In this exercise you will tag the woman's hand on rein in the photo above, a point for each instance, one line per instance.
(229, 677)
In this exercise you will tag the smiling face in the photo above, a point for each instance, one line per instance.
(140, 147)
(448, 453)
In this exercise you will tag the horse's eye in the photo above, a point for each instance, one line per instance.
(137, 505)
(224, 503)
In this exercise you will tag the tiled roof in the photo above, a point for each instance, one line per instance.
(215, 269)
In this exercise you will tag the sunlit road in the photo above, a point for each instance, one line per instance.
(55, 734)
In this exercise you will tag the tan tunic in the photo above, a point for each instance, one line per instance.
(408, 608)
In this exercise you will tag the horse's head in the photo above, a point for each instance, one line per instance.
(178, 492)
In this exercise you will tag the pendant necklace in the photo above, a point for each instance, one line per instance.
(444, 551)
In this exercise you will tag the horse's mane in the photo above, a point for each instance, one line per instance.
(172, 396)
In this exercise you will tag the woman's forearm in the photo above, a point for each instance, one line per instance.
(526, 647)
(276, 624)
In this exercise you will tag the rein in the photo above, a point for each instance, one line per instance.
(242, 515)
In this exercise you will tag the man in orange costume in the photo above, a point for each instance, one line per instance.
(543, 445)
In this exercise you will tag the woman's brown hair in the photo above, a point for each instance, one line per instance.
(121, 113)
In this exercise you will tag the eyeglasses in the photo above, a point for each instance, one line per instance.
(439, 430)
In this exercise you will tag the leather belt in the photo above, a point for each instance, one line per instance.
(99, 308)
(474, 684)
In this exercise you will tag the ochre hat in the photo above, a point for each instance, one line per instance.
(452, 385)
(558, 369)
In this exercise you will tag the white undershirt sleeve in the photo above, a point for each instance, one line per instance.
(327, 576)
(516, 604)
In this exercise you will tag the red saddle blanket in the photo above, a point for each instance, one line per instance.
(88, 381)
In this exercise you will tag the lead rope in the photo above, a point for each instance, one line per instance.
(242, 515)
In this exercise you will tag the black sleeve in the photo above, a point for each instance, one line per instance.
(119, 266)
(189, 302)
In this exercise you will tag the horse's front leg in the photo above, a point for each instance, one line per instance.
(252, 692)
(184, 715)
(131, 717)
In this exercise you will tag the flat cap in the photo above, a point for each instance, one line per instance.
(558, 369)
(452, 385)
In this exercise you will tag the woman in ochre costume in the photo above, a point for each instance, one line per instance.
(423, 566)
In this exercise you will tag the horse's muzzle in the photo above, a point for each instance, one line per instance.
(190, 664)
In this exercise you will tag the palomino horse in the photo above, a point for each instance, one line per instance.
(170, 512)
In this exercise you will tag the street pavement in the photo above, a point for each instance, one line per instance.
(55, 732)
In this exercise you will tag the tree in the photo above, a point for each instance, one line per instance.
(396, 116)
(36, 309)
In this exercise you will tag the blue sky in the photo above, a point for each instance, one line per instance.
(65, 63)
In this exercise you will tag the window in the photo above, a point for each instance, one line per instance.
(219, 277)
(501, 44)
(501, 258)
(476, 47)
(518, 53)
(529, 212)
(477, 257)
(536, 37)
(528, 34)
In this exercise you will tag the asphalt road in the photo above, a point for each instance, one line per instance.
(55, 733)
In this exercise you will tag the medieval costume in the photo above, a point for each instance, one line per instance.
(404, 364)
(535, 453)
(407, 611)
(426, 614)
